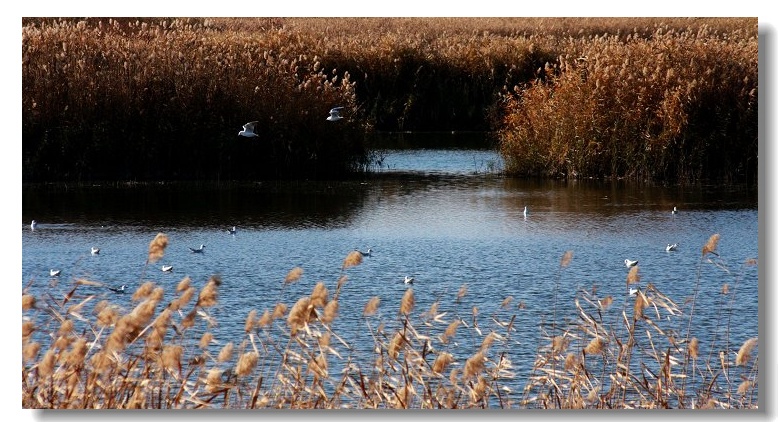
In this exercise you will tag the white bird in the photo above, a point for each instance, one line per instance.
(167, 268)
(408, 280)
(248, 130)
(629, 263)
(118, 289)
(54, 273)
(368, 253)
(335, 114)
(95, 251)
(198, 250)
(33, 225)
(232, 230)
(634, 291)
(671, 248)
(525, 211)
(675, 210)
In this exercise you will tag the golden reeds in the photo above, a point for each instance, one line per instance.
(744, 354)
(157, 247)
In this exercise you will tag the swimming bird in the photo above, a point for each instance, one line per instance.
(671, 248)
(368, 253)
(634, 291)
(248, 130)
(198, 250)
(335, 114)
(675, 210)
(630, 263)
(232, 230)
(119, 289)
(167, 268)
(54, 273)
(95, 251)
(33, 225)
(408, 280)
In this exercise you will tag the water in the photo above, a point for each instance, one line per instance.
(445, 217)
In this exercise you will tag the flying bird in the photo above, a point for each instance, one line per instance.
(33, 225)
(525, 211)
(630, 263)
(198, 250)
(167, 268)
(671, 248)
(335, 114)
(408, 280)
(675, 210)
(54, 273)
(248, 130)
(95, 251)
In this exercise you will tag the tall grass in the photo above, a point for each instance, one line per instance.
(81, 351)
(163, 98)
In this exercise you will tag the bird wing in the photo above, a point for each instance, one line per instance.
(250, 126)
(336, 109)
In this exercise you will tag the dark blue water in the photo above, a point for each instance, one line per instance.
(446, 218)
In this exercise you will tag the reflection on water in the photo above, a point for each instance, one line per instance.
(450, 229)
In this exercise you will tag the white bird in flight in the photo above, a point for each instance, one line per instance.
(54, 273)
(335, 114)
(248, 130)
(95, 251)
(525, 211)
(33, 225)
(675, 210)
(671, 248)
(630, 263)
(408, 280)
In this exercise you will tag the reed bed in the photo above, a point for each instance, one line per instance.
(662, 98)
(81, 351)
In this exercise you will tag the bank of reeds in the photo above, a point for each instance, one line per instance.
(163, 353)
(662, 98)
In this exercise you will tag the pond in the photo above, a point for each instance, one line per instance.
(444, 216)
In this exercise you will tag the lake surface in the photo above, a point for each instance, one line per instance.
(443, 216)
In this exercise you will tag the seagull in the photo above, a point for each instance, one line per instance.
(335, 114)
(167, 268)
(525, 211)
(95, 251)
(248, 130)
(118, 289)
(634, 291)
(675, 210)
(671, 248)
(33, 225)
(629, 263)
(368, 253)
(232, 230)
(54, 273)
(408, 280)
(198, 250)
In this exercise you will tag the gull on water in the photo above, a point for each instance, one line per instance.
(335, 114)
(33, 225)
(54, 273)
(198, 250)
(630, 263)
(167, 268)
(671, 248)
(408, 280)
(232, 230)
(675, 210)
(248, 130)
(119, 289)
(95, 251)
